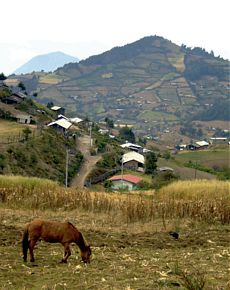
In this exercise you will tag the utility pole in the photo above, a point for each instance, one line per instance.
(122, 172)
(67, 168)
(90, 133)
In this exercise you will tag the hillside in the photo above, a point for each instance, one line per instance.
(150, 80)
(46, 62)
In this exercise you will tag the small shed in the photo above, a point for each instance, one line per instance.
(58, 110)
(128, 181)
(24, 119)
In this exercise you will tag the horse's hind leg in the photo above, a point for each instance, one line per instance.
(32, 244)
(67, 253)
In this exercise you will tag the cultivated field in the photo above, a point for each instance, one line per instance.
(129, 235)
(8, 128)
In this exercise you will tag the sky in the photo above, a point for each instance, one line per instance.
(83, 28)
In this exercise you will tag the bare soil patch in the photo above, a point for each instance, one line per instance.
(125, 256)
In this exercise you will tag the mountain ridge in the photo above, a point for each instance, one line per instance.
(151, 83)
(46, 62)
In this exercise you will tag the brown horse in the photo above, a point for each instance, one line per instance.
(54, 232)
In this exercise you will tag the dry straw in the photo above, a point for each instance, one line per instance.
(201, 200)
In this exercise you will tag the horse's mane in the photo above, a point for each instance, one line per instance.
(71, 224)
(81, 241)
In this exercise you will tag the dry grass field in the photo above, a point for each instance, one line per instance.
(9, 129)
(129, 235)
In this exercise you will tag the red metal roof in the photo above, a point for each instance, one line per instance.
(127, 177)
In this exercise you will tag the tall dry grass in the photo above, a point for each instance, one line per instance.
(191, 189)
(207, 201)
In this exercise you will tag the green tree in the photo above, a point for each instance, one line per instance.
(26, 133)
(50, 105)
(22, 86)
(109, 123)
(2, 77)
(127, 134)
(150, 163)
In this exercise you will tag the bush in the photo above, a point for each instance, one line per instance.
(164, 178)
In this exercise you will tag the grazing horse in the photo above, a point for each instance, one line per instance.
(54, 232)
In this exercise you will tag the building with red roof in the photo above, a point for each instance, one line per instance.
(128, 181)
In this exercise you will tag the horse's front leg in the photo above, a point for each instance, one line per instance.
(32, 244)
(67, 253)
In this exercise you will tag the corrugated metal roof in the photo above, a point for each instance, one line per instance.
(76, 120)
(202, 143)
(127, 177)
(55, 108)
(20, 95)
(133, 156)
(62, 123)
(127, 145)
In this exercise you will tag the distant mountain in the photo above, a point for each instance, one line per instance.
(46, 62)
(152, 84)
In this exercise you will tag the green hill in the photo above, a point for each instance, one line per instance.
(150, 80)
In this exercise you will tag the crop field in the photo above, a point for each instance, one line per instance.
(206, 157)
(50, 79)
(129, 237)
(8, 128)
(156, 116)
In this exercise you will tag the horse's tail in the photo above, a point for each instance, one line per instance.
(25, 243)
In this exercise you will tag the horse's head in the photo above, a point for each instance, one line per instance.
(85, 255)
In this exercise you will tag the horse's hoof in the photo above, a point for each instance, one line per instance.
(63, 261)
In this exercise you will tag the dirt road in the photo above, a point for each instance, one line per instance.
(83, 144)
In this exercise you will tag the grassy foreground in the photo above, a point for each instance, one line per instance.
(132, 249)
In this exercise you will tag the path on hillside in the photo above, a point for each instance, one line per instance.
(83, 145)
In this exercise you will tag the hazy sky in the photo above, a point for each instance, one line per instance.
(87, 27)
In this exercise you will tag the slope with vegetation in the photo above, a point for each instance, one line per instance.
(150, 80)
(41, 155)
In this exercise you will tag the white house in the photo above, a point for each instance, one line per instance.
(61, 124)
(202, 144)
(131, 146)
(133, 160)
(218, 140)
(24, 119)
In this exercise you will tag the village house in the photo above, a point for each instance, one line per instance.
(131, 146)
(58, 110)
(23, 118)
(15, 98)
(75, 120)
(202, 144)
(198, 145)
(61, 125)
(126, 181)
(165, 169)
(219, 140)
(133, 161)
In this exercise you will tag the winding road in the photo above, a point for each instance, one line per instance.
(83, 145)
